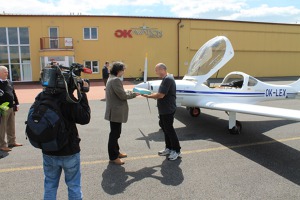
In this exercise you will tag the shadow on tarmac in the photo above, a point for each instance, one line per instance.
(115, 179)
(275, 156)
(3, 154)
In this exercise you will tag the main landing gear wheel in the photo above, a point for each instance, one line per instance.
(237, 129)
(195, 112)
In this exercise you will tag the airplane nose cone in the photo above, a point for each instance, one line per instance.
(142, 88)
(144, 85)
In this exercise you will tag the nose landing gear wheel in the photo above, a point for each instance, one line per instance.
(195, 112)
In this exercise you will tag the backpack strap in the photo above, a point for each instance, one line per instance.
(55, 102)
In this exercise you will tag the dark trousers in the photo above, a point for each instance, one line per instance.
(114, 135)
(171, 139)
(105, 81)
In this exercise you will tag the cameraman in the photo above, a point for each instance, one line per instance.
(68, 158)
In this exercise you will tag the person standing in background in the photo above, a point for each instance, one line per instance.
(105, 72)
(116, 110)
(7, 123)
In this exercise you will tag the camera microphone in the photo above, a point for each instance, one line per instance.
(87, 70)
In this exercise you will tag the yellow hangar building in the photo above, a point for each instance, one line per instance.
(30, 42)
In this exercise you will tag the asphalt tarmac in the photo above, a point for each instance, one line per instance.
(261, 163)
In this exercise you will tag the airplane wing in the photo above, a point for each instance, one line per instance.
(255, 110)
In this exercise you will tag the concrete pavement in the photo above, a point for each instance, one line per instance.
(261, 163)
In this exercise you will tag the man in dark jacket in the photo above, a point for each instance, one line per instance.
(7, 118)
(68, 158)
(105, 72)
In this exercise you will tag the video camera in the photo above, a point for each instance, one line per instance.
(58, 78)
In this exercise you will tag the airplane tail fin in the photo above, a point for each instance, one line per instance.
(296, 85)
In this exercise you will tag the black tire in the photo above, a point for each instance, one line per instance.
(237, 129)
(195, 112)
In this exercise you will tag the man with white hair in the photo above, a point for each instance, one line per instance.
(7, 119)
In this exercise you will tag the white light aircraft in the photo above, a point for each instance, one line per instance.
(238, 92)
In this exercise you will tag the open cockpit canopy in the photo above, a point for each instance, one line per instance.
(212, 56)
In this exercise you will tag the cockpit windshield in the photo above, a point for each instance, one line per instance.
(207, 57)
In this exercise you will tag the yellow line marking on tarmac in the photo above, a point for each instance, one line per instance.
(156, 156)
(20, 169)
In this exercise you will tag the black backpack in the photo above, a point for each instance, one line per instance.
(45, 125)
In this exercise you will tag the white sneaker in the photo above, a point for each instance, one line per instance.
(174, 155)
(164, 152)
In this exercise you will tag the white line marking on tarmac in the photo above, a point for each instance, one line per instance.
(156, 156)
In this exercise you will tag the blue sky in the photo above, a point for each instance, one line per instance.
(277, 11)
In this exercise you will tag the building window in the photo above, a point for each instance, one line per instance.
(15, 52)
(93, 65)
(90, 33)
(65, 61)
(53, 37)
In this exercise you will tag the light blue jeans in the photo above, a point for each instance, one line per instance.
(53, 166)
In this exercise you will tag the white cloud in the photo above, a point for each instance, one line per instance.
(216, 9)
(194, 8)
(181, 8)
(66, 6)
(264, 11)
(141, 2)
(56, 7)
